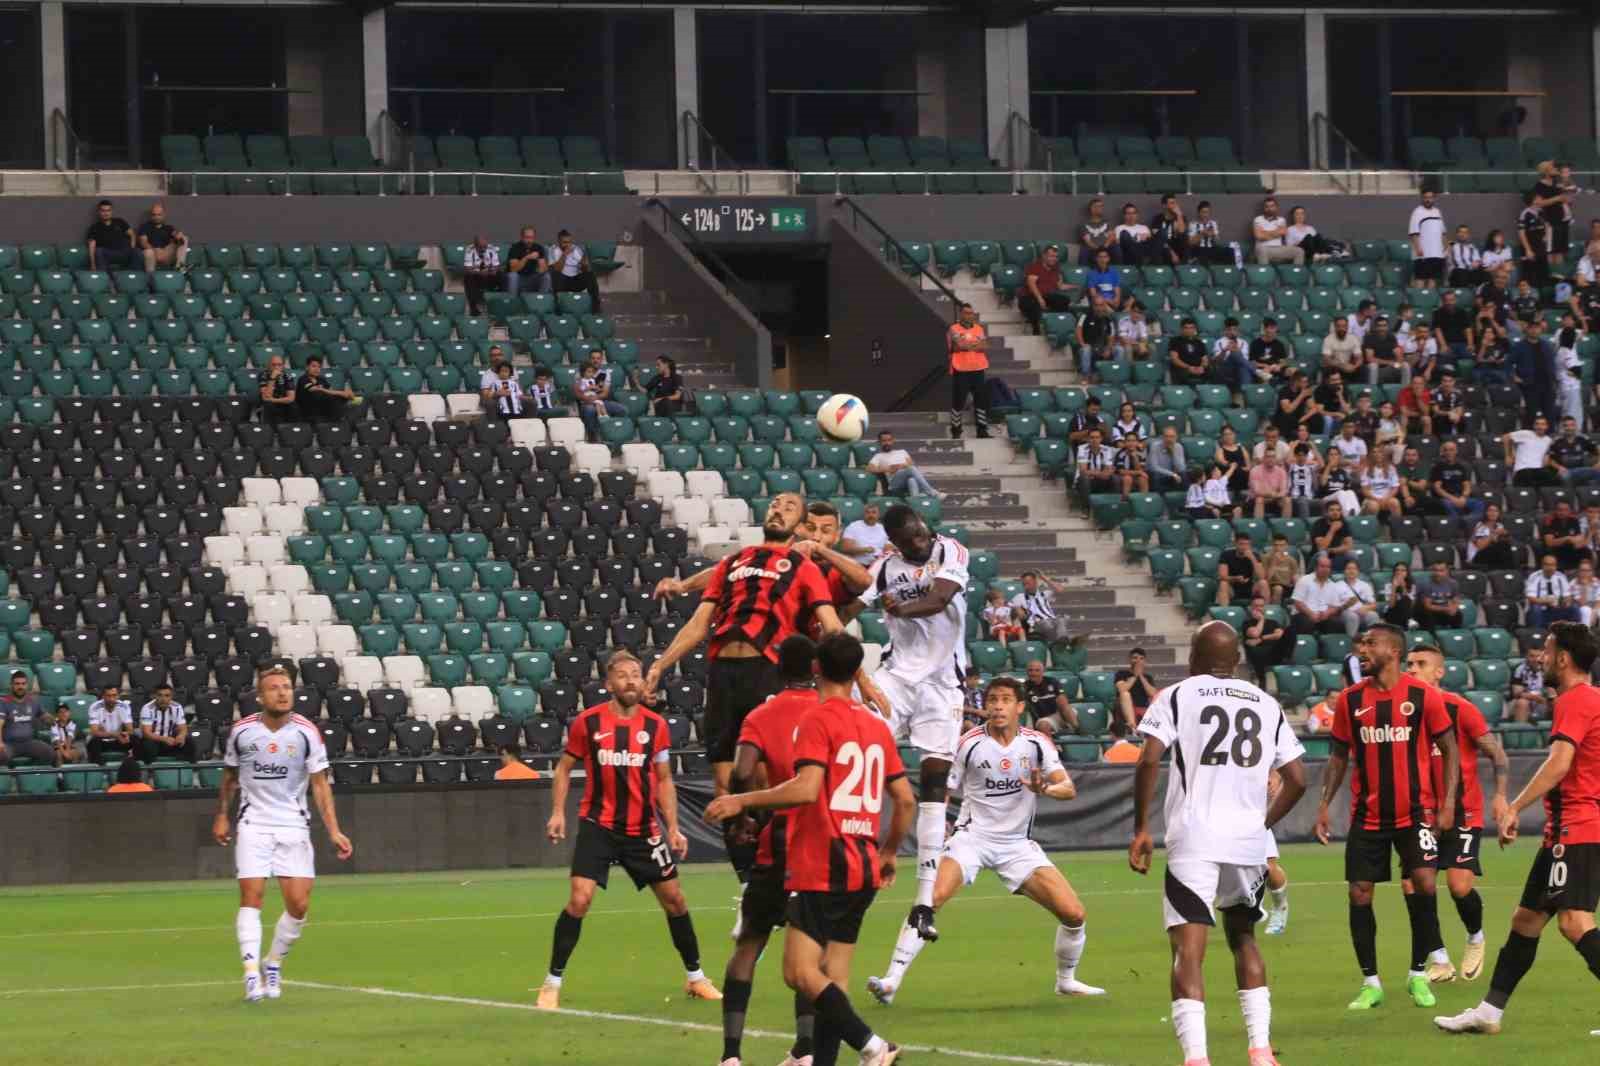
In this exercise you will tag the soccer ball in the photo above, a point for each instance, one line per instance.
(842, 417)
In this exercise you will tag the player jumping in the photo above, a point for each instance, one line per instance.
(271, 758)
(1565, 879)
(627, 758)
(1382, 724)
(998, 771)
(845, 761)
(1225, 736)
(1459, 849)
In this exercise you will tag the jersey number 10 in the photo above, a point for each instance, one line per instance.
(1245, 726)
(862, 787)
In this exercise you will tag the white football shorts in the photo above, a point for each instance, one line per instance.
(924, 714)
(1012, 860)
(273, 851)
(1193, 885)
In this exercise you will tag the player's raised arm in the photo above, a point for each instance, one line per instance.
(937, 599)
(856, 577)
(322, 795)
(695, 630)
(560, 783)
(222, 825)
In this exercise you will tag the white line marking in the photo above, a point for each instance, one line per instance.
(110, 988)
(666, 1023)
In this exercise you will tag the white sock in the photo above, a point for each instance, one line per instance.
(284, 936)
(1490, 1012)
(1475, 938)
(874, 1044)
(247, 926)
(1189, 1019)
(552, 979)
(695, 975)
(1256, 1003)
(1280, 897)
(906, 947)
(1439, 956)
(930, 845)
(1373, 981)
(1415, 973)
(1069, 949)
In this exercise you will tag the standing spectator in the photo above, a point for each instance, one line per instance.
(1269, 486)
(1263, 641)
(1530, 699)
(480, 272)
(1551, 200)
(110, 725)
(1133, 240)
(1097, 464)
(1568, 368)
(1096, 336)
(1331, 535)
(1573, 455)
(1042, 289)
(506, 399)
(1452, 326)
(1269, 229)
(1524, 307)
(1438, 599)
(1450, 483)
(110, 241)
(1380, 485)
(1361, 605)
(1528, 455)
(1105, 279)
(1381, 354)
(164, 729)
(1167, 464)
(1490, 547)
(1094, 234)
(163, 245)
(1133, 332)
(130, 778)
(1239, 574)
(21, 722)
(1281, 568)
(1269, 355)
(569, 267)
(968, 345)
(1561, 535)
(1427, 242)
(1129, 463)
(1341, 349)
(319, 401)
(895, 470)
(1229, 360)
(64, 737)
(666, 391)
(864, 539)
(1036, 604)
(1047, 703)
(278, 402)
(1465, 261)
(1318, 601)
(1533, 236)
(1533, 369)
(1169, 232)
(1549, 595)
(1001, 620)
(1399, 597)
(1205, 239)
(1135, 690)
(527, 269)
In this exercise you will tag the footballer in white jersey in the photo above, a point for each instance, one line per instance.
(1000, 771)
(272, 758)
(1225, 736)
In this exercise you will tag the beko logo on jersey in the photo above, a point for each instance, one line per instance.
(1385, 734)
(269, 769)
(606, 757)
(1002, 786)
(741, 572)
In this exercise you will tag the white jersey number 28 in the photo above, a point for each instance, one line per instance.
(1244, 724)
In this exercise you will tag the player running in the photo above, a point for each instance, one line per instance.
(845, 760)
(923, 590)
(1382, 724)
(626, 754)
(271, 758)
(766, 742)
(1459, 849)
(1225, 736)
(1565, 879)
(998, 771)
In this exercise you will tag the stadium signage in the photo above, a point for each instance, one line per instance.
(746, 221)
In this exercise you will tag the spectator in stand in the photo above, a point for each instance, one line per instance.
(1133, 332)
(110, 241)
(1001, 620)
(1169, 231)
(1533, 370)
(1416, 407)
(1530, 698)
(896, 472)
(1427, 232)
(21, 723)
(1420, 350)
(1533, 235)
(1127, 425)
(1135, 689)
(1341, 349)
(1269, 486)
(1381, 354)
(1497, 253)
(1280, 568)
(1380, 485)
(1133, 240)
(527, 269)
(1399, 600)
(1493, 299)
(1269, 229)
(1318, 601)
(164, 728)
(480, 272)
(506, 398)
(1569, 368)
(1524, 307)
(1042, 289)
(1088, 418)
(972, 716)
(276, 386)
(1528, 455)
(1105, 279)
(1465, 261)
(1271, 442)
(163, 245)
(110, 725)
(1129, 462)
(317, 399)
(569, 267)
(1573, 455)
(1494, 350)
(1561, 535)
(1037, 608)
(1449, 406)
(1269, 355)
(1452, 325)
(1234, 462)
(1096, 336)
(1205, 239)
(1047, 703)
(1187, 358)
(1305, 470)
(1366, 315)
(1338, 483)
(666, 391)
(1350, 444)
(1296, 406)
(604, 381)
(1390, 436)
(1217, 495)
(512, 768)
(1263, 641)
(64, 737)
(1229, 360)
(1097, 464)
(1331, 536)
(1450, 485)
(542, 395)
(1094, 234)
(1302, 235)
(1586, 592)
(1589, 523)
(1490, 546)
(130, 778)
(1585, 299)
(1195, 505)
(1413, 479)
(489, 380)
(1438, 599)
(1167, 465)
(1549, 595)
(1239, 575)
(967, 343)
(590, 392)
(864, 539)
(1361, 603)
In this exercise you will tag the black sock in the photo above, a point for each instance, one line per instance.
(1470, 907)
(825, 1049)
(805, 1022)
(1515, 960)
(834, 1006)
(1589, 947)
(681, 926)
(1364, 935)
(1423, 911)
(735, 1001)
(566, 938)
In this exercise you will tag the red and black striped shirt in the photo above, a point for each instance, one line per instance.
(763, 595)
(619, 755)
(1390, 734)
(839, 594)
(1470, 726)
(1572, 808)
(771, 729)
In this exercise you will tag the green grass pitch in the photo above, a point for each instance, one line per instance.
(438, 968)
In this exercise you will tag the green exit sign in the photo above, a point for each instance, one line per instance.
(788, 219)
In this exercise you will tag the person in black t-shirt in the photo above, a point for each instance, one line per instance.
(1449, 407)
(1135, 690)
(1239, 572)
(1086, 420)
(1268, 353)
(1263, 640)
(1048, 705)
(1450, 485)
(1452, 327)
(526, 267)
(163, 245)
(1296, 406)
(1533, 242)
(318, 400)
(1187, 355)
(1330, 398)
(1561, 535)
(110, 241)
(277, 393)
(1525, 303)
(1574, 454)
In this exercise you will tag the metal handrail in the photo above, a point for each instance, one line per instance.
(1038, 147)
(394, 144)
(720, 157)
(736, 287)
(66, 148)
(419, 182)
(1323, 131)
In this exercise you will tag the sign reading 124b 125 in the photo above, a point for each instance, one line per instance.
(751, 221)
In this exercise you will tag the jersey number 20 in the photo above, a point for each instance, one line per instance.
(1245, 726)
(862, 787)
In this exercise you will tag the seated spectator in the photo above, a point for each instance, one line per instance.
(1341, 349)
(318, 401)
(591, 394)
(1586, 592)
(1464, 261)
(541, 399)
(277, 386)
(1233, 459)
(506, 398)
(1133, 240)
(1134, 332)
(1167, 465)
(512, 768)
(1491, 367)
(1104, 279)
(1318, 601)
(527, 267)
(1549, 595)
(1096, 336)
(1302, 235)
(163, 245)
(1297, 406)
(1001, 620)
(1490, 547)
(64, 737)
(1047, 703)
(1416, 407)
(1269, 355)
(1331, 535)
(896, 472)
(1496, 252)
(1573, 456)
(1169, 232)
(1380, 485)
(1239, 575)
(1448, 408)
(130, 778)
(21, 723)
(1438, 600)
(1087, 418)
(1269, 486)
(1230, 362)
(1263, 641)
(1420, 350)
(1399, 597)
(1450, 485)
(864, 539)
(1305, 473)
(480, 272)
(1127, 425)
(570, 271)
(1194, 499)
(489, 379)
(1349, 444)
(1135, 690)
(1530, 699)
(1330, 399)
(1216, 493)
(1205, 243)
(1094, 234)
(1589, 524)
(666, 391)
(110, 725)
(1130, 466)
(1361, 605)
(1042, 289)
(1528, 455)
(1413, 479)
(164, 728)
(110, 241)
(1381, 355)
(1271, 441)
(1187, 358)
(1585, 300)
(1366, 316)
(1390, 436)
(1280, 568)
(1037, 608)
(1452, 325)
(1338, 482)
(1561, 535)
(1269, 229)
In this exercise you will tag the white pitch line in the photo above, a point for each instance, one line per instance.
(666, 1023)
(109, 988)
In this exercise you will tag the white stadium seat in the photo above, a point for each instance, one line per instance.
(464, 405)
(706, 533)
(689, 512)
(246, 581)
(426, 406)
(641, 458)
(565, 432)
(260, 491)
(529, 432)
(706, 484)
(472, 702)
(300, 491)
(591, 458)
(730, 511)
(241, 521)
(284, 519)
(311, 608)
(296, 641)
(664, 485)
(361, 672)
(432, 705)
(404, 672)
(272, 610)
(749, 536)
(337, 641)
(289, 577)
(224, 551)
(264, 548)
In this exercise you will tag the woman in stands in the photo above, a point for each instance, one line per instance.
(1490, 546)
(1398, 596)
(1127, 424)
(1496, 253)
(1301, 234)
(1380, 484)
(1234, 459)
(667, 389)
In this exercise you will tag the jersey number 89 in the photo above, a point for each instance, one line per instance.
(1246, 727)
(862, 787)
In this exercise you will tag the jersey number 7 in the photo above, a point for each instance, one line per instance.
(1246, 728)
(862, 787)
